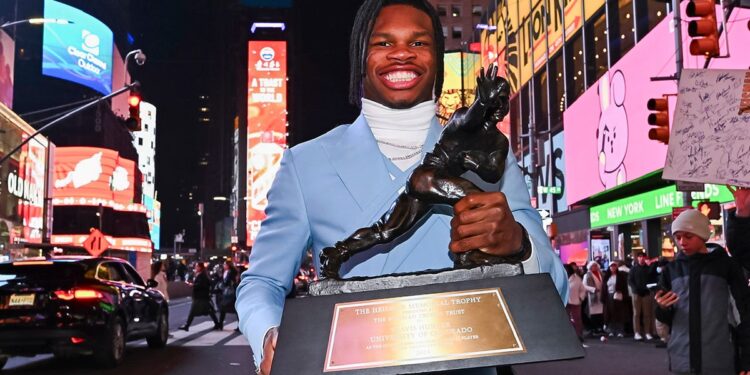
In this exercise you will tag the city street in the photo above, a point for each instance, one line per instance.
(204, 351)
(199, 351)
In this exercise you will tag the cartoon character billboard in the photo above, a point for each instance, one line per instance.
(606, 128)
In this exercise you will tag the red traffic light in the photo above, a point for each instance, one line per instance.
(134, 100)
(659, 119)
(703, 29)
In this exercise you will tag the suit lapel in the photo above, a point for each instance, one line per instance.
(359, 162)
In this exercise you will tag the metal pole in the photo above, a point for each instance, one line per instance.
(677, 38)
(63, 117)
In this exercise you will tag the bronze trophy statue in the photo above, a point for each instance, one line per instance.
(470, 141)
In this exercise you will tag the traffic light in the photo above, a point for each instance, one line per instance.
(134, 103)
(234, 247)
(659, 119)
(703, 30)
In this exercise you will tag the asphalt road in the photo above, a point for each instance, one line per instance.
(198, 351)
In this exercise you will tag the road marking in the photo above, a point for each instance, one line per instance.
(203, 335)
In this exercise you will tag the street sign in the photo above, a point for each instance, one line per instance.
(676, 211)
(549, 189)
(95, 244)
(689, 186)
(234, 239)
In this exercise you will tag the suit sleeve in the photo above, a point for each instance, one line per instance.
(542, 258)
(737, 240)
(275, 258)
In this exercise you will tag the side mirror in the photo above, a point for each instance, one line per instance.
(151, 283)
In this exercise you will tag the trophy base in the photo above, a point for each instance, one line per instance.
(327, 287)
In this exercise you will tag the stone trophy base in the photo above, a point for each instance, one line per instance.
(428, 322)
(327, 287)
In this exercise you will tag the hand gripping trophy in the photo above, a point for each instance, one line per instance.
(470, 141)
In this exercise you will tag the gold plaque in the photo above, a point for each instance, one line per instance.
(420, 329)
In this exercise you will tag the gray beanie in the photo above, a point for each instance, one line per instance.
(694, 222)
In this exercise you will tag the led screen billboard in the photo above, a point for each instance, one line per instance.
(153, 208)
(23, 182)
(606, 128)
(81, 51)
(7, 56)
(88, 176)
(266, 125)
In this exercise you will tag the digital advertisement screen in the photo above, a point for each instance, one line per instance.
(153, 208)
(80, 52)
(606, 128)
(89, 176)
(7, 57)
(266, 125)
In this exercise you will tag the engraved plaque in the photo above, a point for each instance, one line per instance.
(420, 329)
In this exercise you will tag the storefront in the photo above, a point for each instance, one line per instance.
(23, 185)
(641, 223)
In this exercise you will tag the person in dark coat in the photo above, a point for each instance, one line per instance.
(738, 227)
(227, 291)
(705, 298)
(201, 298)
(616, 303)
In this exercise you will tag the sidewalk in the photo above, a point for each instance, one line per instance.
(613, 357)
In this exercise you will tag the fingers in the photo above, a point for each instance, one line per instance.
(475, 200)
(482, 240)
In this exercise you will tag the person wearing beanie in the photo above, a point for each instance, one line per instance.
(704, 296)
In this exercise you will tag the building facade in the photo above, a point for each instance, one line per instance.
(581, 73)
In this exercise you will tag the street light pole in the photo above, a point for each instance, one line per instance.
(200, 243)
(37, 21)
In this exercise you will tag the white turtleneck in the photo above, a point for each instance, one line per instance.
(400, 133)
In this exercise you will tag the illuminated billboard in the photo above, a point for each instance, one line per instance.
(606, 128)
(7, 56)
(80, 52)
(22, 182)
(266, 125)
(88, 176)
(153, 208)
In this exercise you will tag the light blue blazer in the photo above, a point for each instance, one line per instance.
(329, 187)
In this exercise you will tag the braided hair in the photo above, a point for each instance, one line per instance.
(360, 37)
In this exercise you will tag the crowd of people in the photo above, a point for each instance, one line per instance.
(613, 299)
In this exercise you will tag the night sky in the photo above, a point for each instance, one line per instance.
(183, 42)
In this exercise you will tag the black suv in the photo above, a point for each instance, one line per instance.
(78, 305)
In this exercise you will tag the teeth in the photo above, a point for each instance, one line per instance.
(400, 76)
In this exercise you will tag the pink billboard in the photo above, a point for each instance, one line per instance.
(606, 138)
(7, 56)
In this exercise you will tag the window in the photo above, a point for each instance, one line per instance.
(456, 10)
(442, 11)
(146, 126)
(102, 272)
(621, 28)
(556, 90)
(596, 47)
(134, 276)
(445, 31)
(476, 10)
(574, 74)
(140, 141)
(540, 100)
(457, 32)
(650, 13)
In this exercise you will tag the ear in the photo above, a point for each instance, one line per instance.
(604, 92)
(618, 88)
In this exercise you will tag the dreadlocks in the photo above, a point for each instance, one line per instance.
(361, 35)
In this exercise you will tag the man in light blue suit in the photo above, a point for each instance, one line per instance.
(346, 179)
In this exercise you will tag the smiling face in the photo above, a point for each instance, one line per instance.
(401, 61)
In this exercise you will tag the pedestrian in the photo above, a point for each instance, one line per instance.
(616, 312)
(201, 304)
(227, 289)
(182, 270)
(159, 274)
(640, 276)
(594, 283)
(703, 294)
(326, 188)
(738, 226)
(576, 295)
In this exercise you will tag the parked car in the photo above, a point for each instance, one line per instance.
(78, 305)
